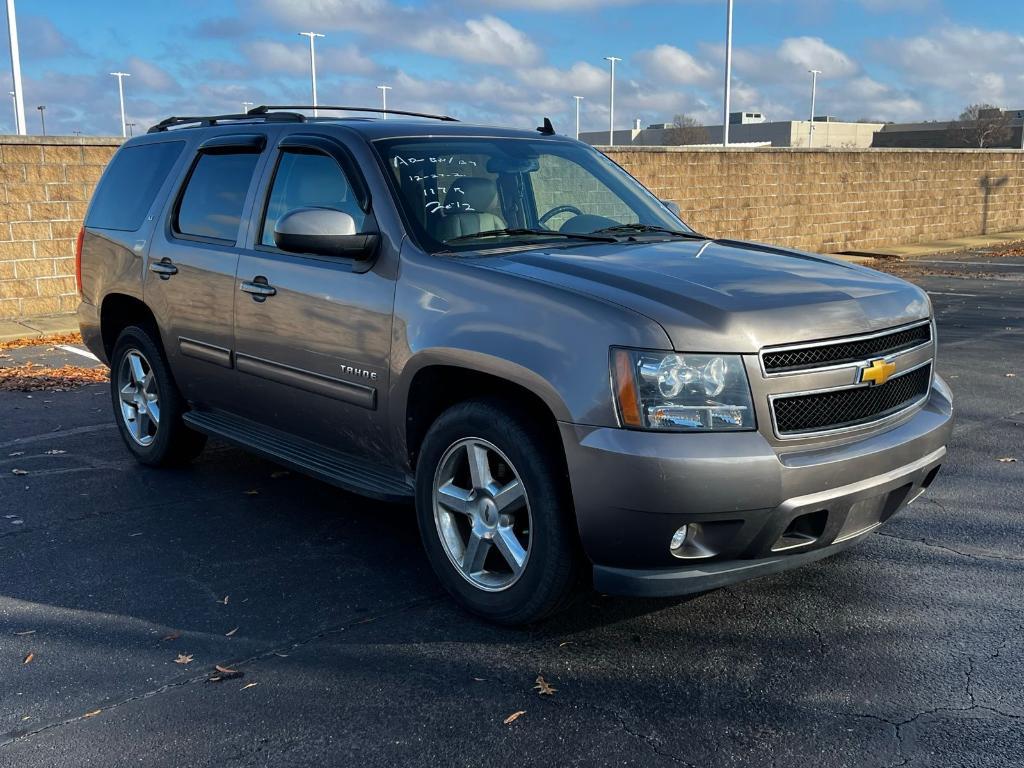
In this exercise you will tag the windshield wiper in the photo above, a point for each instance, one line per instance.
(516, 231)
(652, 228)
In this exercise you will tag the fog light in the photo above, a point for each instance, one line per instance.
(679, 538)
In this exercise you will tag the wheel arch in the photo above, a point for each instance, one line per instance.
(120, 310)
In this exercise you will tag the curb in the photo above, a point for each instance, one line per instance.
(37, 327)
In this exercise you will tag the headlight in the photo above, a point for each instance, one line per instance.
(682, 392)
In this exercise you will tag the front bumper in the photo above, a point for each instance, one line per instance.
(762, 508)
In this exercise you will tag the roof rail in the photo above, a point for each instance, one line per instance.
(266, 109)
(208, 120)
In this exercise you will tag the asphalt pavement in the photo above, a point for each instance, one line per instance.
(342, 649)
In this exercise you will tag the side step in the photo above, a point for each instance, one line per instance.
(331, 466)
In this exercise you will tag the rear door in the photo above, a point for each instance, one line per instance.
(312, 357)
(190, 276)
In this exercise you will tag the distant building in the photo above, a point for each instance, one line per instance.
(949, 133)
(753, 129)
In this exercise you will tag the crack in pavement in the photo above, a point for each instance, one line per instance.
(933, 545)
(279, 647)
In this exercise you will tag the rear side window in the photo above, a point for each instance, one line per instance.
(127, 190)
(211, 205)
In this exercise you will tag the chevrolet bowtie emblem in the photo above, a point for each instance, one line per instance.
(878, 372)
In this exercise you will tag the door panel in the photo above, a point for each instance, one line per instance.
(313, 333)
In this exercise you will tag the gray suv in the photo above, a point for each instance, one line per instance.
(509, 330)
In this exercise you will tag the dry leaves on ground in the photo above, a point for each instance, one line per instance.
(32, 377)
(183, 658)
(28, 658)
(1017, 249)
(223, 673)
(514, 716)
(1008, 460)
(93, 713)
(543, 687)
(52, 340)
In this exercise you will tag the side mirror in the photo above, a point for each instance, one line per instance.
(324, 232)
(673, 208)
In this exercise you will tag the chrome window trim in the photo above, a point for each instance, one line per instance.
(843, 340)
(851, 427)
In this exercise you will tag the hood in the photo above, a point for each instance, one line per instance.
(725, 295)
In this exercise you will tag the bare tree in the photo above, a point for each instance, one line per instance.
(686, 130)
(981, 125)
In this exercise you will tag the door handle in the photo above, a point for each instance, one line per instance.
(258, 288)
(163, 268)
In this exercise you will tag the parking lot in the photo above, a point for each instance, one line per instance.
(122, 589)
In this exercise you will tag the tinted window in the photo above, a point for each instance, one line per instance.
(309, 179)
(130, 183)
(212, 203)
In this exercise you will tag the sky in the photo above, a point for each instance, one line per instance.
(512, 62)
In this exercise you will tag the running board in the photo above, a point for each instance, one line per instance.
(348, 472)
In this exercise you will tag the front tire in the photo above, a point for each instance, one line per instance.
(495, 513)
(147, 405)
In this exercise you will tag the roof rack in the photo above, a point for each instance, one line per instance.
(265, 110)
(209, 120)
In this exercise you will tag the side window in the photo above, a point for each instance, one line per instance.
(211, 205)
(130, 184)
(559, 180)
(309, 179)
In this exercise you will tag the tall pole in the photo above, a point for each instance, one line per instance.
(578, 100)
(611, 99)
(312, 64)
(42, 116)
(19, 98)
(384, 99)
(814, 91)
(726, 102)
(245, 106)
(120, 90)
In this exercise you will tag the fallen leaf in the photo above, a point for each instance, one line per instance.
(275, 475)
(16, 453)
(225, 600)
(26, 632)
(55, 452)
(183, 658)
(248, 685)
(543, 687)
(19, 472)
(93, 713)
(252, 493)
(1008, 460)
(1011, 375)
(225, 670)
(229, 634)
(567, 642)
(224, 673)
(479, 679)
(514, 716)
(173, 636)
(29, 658)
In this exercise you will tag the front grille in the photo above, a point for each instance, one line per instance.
(839, 408)
(853, 351)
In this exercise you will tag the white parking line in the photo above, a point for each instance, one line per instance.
(78, 351)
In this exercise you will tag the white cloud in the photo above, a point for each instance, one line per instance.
(487, 40)
(148, 76)
(666, 62)
(582, 78)
(815, 53)
(557, 7)
(273, 57)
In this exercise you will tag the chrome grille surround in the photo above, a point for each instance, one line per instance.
(846, 351)
(831, 380)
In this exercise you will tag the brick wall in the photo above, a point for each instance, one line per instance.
(837, 200)
(817, 200)
(45, 185)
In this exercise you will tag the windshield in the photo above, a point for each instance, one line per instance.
(472, 194)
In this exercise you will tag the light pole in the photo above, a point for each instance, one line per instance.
(245, 106)
(19, 100)
(814, 91)
(120, 90)
(42, 116)
(726, 105)
(312, 63)
(384, 99)
(131, 129)
(578, 100)
(611, 99)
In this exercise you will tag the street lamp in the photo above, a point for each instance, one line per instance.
(726, 107)
(611, 99)
(19, 100)
(42, 116)
(120, 90)
(131, 129)
(814, 90)
(245, 106)
(312, 63)
(384, 99)
(578, 100)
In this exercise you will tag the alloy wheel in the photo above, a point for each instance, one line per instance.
(140, 397)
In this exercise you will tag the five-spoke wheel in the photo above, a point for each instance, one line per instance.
(140, 397)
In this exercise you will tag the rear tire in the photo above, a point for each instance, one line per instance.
(495, 513)
(147, 405)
